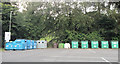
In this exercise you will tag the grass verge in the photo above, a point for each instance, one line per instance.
(2, 49)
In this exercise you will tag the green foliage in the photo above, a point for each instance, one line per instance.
(94, 36)
(47, 38)
(115, 38)
(61, 22)
(73, 35)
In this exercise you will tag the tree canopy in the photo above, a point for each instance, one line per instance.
(63, 21)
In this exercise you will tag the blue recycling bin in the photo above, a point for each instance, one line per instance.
(29, 44)
(20, 44)
(32, 44)
(9, 46)
(35, 44)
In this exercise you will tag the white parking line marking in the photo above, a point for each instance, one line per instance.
(119, 62)
(104, 59)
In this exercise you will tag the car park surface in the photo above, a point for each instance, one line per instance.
(61, 55)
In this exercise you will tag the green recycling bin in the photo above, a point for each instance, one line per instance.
(94, 44)
(74, 44)
(104, 44)
(114, 44)
(61, 45)
(84, 44)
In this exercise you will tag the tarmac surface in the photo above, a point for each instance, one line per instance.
(0, 57)
(61, 55)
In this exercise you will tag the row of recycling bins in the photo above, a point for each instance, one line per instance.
(23, 44)
(94, 44)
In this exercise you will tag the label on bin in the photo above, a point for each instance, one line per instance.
(115, 46)
(114, 43)
(105, 46)
(7, 46)
(94, 46)
(74, 46)
(84, 46)
(15, 46)
(104, 43)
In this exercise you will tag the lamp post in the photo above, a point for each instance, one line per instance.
(10, 21)
(8, 34)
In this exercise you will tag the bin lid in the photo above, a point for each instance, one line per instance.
(61, 43)
(114, 41)
(74, 42)
(94, 41)
(104, 41)
(84, 41)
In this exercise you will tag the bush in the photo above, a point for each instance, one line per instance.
(94, 36)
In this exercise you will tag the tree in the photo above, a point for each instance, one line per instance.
(64, 22)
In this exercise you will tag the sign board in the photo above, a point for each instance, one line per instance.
(7, 36)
